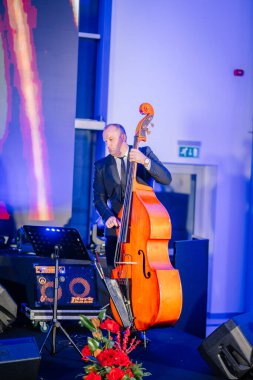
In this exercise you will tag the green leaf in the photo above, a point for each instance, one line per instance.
(137, 372)
(101, 315)
(87, 323)
(93, 344)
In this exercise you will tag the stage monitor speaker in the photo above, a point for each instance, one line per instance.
(8, 309)
(228, 349)
(19, 359)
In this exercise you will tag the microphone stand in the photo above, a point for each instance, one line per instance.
(55, 324)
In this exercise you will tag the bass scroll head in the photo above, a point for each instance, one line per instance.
(142, 127)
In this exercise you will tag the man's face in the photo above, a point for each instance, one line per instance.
(115, 140)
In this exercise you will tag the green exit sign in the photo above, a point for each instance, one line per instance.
(189, 151)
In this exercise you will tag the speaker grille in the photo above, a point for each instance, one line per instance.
(77, 285)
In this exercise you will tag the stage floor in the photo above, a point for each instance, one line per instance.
(170, 354)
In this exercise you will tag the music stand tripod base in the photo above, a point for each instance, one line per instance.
(56, 324)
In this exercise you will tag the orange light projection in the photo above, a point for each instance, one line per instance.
(75, 10)
(22, 18)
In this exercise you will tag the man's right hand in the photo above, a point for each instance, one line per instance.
(112, 222)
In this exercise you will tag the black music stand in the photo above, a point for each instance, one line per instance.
(42, 240)
(55, 324)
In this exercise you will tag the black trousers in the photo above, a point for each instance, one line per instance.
(110, 247)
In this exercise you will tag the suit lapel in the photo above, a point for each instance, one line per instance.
(112, 168)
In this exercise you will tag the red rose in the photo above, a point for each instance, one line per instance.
(121, 359)
(106, 357)
(115, 374)
(93, 376)
(86, 352)
(112, 357)
(110, 325)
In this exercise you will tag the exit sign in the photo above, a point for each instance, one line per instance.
(189, 151)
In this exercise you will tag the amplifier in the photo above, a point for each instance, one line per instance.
(77, 285)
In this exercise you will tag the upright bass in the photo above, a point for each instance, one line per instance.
(150, 285)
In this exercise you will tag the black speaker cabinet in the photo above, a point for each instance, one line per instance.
(8, 309)
(19, 359)
(228, 349)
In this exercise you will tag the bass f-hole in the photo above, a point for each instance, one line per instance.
(148, 274)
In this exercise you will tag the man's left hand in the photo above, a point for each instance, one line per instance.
(135, 155)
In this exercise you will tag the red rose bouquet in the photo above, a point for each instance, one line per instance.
(106, 352)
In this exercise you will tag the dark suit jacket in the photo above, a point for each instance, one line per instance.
(107, 186)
